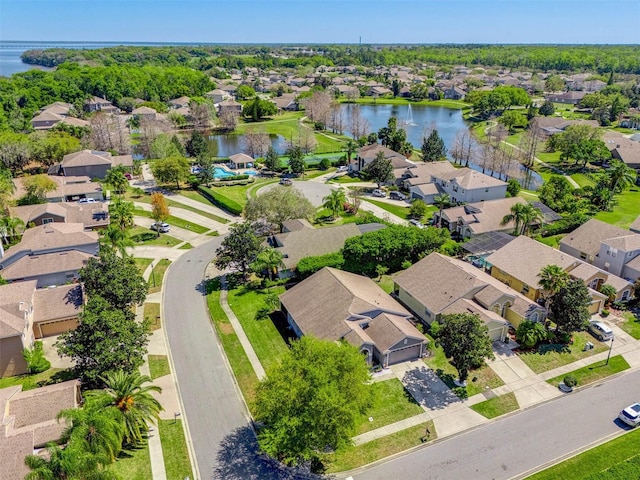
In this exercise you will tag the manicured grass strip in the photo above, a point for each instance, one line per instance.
(625, 211)
(392, 403)
(152, 315)
(542, 362)
(346, 179)
(157, 275)
(143, 263)
(242, 369)
(186, 246)
(593, 373)
(175, 221)
(213, 234)
(494, 407)
(354, 457)
(174, 450)
(133, 464)
(596, 462)
(218, 198)
(397, 210)
(263, 334)
(144, 236)
(159, 366)
(146, 198)
(29, 382)
(632, 325)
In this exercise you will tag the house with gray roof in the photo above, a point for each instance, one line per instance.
(29, 422)
(341, 306)
(368, 153)
(68, 189)
(93, 163)
(91, 215)
(465, 185)
(439, 285)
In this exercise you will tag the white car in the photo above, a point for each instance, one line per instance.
(160, 227)
(87, 200)
(631, 415)
(601, 331)
(416, 223)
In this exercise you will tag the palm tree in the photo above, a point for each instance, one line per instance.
(441, 201)
(10, 227)
(116, 239)
(350, 148)
(552, 279)
(96, 430)
(270, 260)
(522, 215)
(121, 213)
(115, 177)
(620, 176)
(66, 464)
(128, 394)
(334, 201)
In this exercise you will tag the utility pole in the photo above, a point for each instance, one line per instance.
(610, 348)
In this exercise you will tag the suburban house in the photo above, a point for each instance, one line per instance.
(98, 104)
(229, 105)
(439, 285)
(454, 93)
(551, 125)
(180, 102)
(467, 186)
(368, 153)
(286, 102)
(93, 163)
(29, 313)
(51, 254)
(91, 215)
(300, 240)
(570, 98)
(28, 420)
(216, 95)
(610, 248)
(419, 179)
(68, 189)
(623, 149)
(144, 112)
(519, 263)
(240, 160)
(472, 219)
(340, 306)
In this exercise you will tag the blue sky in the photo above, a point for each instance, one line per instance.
(328, 21)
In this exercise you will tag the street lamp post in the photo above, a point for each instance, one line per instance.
(610, 348)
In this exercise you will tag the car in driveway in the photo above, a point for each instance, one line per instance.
(416, 223)
(87, 200)
(160, 227)
(397, 196)
(631, 415)
(378, 193)
(601, 331)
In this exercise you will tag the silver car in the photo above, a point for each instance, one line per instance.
(160, 227)
(601, 331)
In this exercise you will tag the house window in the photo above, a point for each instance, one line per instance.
(629, 254)
(612, 252)
(583, 255)
(47, 220)
(625, 295)
(486, 190)
(525, 289)
(455, 188)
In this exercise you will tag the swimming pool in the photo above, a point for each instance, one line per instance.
(219, 172)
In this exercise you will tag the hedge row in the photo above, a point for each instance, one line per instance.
(221, 201)
(310, 265)
(233, 178)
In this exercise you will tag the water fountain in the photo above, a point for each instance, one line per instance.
(410, 122)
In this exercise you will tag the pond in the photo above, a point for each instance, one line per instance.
(227, 145)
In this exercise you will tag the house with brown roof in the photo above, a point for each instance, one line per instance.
(606, 246)
(469, 220)
(28, 422)
(180, 102)
(229, 105)
(145, 112)
(519, 263)
(368, 153)
(93, 216)
(28, 313)
(340, 306)
(99, 104)
(439, 285)
(464, 185)
(51, 254)
(93, 163)
(570, 98)
(301, 240)
(68, 189)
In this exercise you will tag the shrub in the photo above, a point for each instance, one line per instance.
(570, 381)
(604, 313)
(406, 264)
(234, 178)
(36, 363)
(324, 164)
(221, 201)
(529, 334)
(310, 265)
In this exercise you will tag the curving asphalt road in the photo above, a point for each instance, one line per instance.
(216, 417)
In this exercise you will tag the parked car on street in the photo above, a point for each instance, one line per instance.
(160, 227)
(631, 415)
(286, 181)
(378, 193)
(601, 331)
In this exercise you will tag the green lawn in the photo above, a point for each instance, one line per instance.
(142, 263)
(152, 315)
(158, 366)
(593, 373)
(146, 198)
(29, 382)
(596, 462)
(542, 362)
(453, 104)
(346, 179)
(186, 246)
(626, 210)
(144, 236)
(478, 379)
(386, 283)
(263, 334)
(157, 275)
(175, 221)
(174, 450)
(392, 403)
(552, 241)
(242, 369)
(497, 406)
(632, 325)
(352, 457)
(401, 210)
(133, 464)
